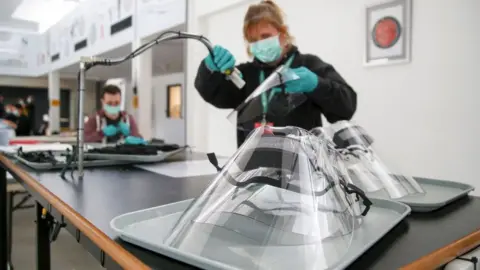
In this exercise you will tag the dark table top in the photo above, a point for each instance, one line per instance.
(106, 193)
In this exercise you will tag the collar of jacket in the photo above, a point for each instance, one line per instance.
(293, 50)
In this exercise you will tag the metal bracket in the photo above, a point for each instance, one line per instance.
(102, 258)
(55, 229)
(22, 204)
(77, 235)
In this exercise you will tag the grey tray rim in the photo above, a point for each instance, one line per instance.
(136, 158)
(402, 209)
(429, 207)
(466, 188)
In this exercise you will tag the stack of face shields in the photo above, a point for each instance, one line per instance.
(274, 205)
(365, 168)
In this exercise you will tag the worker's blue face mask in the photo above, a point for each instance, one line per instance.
(112, 110)
(267, 50)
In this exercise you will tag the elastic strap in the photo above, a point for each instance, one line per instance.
(97, 117)
(125, 119)
(266, 100)
(473, 260)
(104, 123)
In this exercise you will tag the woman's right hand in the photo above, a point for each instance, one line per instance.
(222, 60)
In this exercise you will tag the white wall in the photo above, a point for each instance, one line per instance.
(422, 114)
(210, 122)
(19, 52)
(172, 131)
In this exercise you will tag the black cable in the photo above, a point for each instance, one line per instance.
(144, 47)
(473, 260)
(176, 35)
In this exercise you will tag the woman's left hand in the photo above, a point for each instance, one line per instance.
(307, 81)
(135, 141)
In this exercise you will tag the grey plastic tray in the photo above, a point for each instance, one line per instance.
(61, 164)
(438, 193)
(161, 156)
(146, 228)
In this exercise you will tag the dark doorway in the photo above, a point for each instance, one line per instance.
(12, 94)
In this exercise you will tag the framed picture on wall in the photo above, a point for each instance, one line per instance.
(388, 33)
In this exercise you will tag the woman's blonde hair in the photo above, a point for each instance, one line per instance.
(265, 11)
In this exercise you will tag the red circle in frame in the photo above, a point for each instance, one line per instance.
(386, 32)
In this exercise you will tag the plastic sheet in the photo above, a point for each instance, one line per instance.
(280, 104)
(365, 168)
(272, 195)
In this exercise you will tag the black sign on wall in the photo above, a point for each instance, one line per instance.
(55, 57)
(80, 45)
(121, 25)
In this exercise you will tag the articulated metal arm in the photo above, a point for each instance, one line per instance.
(88, 62)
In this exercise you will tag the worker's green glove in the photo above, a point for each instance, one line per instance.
(109, 130)
(221, 60)
(307, 81)
(124, 128)
(135, 141)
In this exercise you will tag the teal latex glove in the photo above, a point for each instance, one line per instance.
(135, 140)
(307, 81)
(109, 130)
(124, 128)
(222, 60)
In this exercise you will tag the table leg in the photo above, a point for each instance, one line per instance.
(9, 228)
(3, 219)
(43, 239)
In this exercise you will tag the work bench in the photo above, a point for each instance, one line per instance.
(85, 208)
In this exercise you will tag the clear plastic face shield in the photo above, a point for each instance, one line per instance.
(365, 168)
(273, 207)
(268, 100)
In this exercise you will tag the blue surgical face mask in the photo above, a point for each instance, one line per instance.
(112, 110)
(267, 50)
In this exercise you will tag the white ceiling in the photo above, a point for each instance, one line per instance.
(7, 7)
(167, 57)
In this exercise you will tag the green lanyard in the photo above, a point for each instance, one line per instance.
(266, 100)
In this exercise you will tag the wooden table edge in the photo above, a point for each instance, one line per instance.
(446, 254)
(124, 259)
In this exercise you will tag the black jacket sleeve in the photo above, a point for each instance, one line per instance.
(333, 95)
(217, 90)
(23, 126)
(31, 114)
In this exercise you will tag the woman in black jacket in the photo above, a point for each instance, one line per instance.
(272, 45)
(19, 121)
